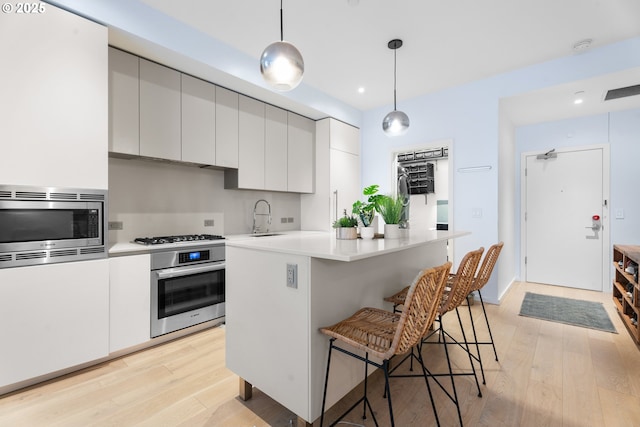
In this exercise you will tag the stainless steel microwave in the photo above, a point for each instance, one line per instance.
(41, 225)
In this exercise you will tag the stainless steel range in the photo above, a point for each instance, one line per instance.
(187, 282)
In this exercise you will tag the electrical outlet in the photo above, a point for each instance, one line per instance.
(208, 223)
(283, 220)
(115, 225)
(292, 276)
(289, 219)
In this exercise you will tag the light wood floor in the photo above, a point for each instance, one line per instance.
(549, 374)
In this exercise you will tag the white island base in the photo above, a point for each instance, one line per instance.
(272, 337)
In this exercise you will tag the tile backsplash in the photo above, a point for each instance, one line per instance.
(152, 198)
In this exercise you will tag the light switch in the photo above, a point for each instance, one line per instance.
(620, 213)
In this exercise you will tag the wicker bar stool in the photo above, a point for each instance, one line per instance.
(481, 279)
(382, 334)
(457, 288)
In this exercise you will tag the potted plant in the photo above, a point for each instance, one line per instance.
(365, 211)
(390, 208)
(346, 227)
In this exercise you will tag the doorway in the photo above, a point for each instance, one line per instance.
(565, 217)
(433, 209)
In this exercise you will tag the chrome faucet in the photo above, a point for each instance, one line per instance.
(256, 229)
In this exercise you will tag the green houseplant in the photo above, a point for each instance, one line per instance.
(367, 210)
(390, 208)
(346, 227)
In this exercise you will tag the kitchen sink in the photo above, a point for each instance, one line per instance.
(266, 234)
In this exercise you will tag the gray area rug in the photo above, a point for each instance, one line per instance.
(587, 314)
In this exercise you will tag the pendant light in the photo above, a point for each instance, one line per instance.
(281, 64)
(396, 122)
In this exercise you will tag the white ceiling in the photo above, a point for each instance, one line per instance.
(446, 43)
(344, 45)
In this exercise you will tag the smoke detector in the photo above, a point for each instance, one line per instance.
(582, 45)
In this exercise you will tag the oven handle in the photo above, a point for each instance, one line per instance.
(188, 270)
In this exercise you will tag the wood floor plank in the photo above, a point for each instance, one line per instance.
(548, 374)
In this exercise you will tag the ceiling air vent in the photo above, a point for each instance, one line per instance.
(622, 92)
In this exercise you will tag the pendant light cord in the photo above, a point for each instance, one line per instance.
(394, 78)
(281, 27)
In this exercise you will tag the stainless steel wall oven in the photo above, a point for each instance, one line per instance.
(40, 225)
(187, 287)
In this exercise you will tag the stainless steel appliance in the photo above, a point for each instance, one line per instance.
(40, 225)
(187, 284)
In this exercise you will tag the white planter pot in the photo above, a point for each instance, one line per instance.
(392, 231)
(347, 233)
(367, 232)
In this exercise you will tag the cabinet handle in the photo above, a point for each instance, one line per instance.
(335, 201)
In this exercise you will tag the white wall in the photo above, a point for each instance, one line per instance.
(507, 203)
(469, 115)
(621, 130)
(158, 198)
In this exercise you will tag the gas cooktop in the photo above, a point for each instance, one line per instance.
(176, 239)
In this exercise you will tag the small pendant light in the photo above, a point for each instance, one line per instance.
(281, 63)
(396, 122)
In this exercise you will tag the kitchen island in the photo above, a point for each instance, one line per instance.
(282, 289)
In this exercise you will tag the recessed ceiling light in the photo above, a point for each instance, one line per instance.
(361, 89)
(578, 97)
(582, 45)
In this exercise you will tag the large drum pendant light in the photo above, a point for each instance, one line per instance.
(396, 122)
(281, 64)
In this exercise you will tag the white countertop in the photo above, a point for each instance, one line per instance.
(130, 248)
(318, 244)
(325, 245)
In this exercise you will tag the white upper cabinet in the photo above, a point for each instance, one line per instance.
(251, 143)
(226, 128)
(159, 111)
(337, 175)
(54, 108)
(198, 121)
(275, 149)
(301, 136)
(124, 103)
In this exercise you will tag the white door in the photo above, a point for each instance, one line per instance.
(565, 218)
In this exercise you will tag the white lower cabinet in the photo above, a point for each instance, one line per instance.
(129, 301)
(53, 317)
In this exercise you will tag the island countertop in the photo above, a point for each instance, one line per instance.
(324, 245)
